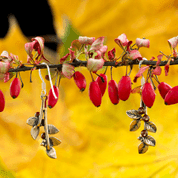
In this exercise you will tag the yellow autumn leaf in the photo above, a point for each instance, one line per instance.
(96, 142)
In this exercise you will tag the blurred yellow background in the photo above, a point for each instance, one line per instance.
(96, 142)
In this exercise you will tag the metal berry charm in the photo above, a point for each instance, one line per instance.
(138, 116)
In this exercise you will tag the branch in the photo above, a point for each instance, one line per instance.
(78, 63)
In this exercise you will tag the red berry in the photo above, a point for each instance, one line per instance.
(2, 101)
(15, 88)
(95, 93)
(172, 96)
(163, 89)
(124, 88)
(102, 82)
(80, 80)
(148, 94)
(113, 92)
(51, 99)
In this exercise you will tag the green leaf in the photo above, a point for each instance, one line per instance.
(70, 34)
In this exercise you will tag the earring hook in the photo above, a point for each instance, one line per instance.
(142, 83)
(44, 84)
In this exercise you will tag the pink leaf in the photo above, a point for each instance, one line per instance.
(140, 72)
(6, 77)
(97, 44)
(111, 54)
(173, 42)
(67, 70)
(103, 49)
(166, 68)
(157, 70)
(142, 42)
(6, 57)
(175, 53)
(64, 58)
(135, 54)
(152, 58)
(159, 59)
(86, 40)
(29, 48)
(98, 56)
(72, 54)
(38, 44)
(94, 64)
(122, 40)
(4, 67)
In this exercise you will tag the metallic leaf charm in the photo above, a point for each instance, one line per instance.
(51, 153)
(149, 140)
(150, 126)
(52, 129)
(135, 125)
(142, 148)
(133, 114)
(34, 132)
(54, 141)
(32, 121)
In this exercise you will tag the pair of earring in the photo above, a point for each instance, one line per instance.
(40, 120)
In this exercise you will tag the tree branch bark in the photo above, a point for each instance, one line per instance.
(77, 63)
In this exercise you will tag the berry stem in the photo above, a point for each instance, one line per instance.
(111, 72)
(156, 78)
(126, 70)
(106, 70)
(31, 76)
(91, 76)
(152, 81)
(102, 79)
(22, 85)
(56, 79)
(59, 80)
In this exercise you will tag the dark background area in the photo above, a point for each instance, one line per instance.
(35, 18)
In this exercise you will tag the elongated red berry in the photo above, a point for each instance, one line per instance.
(124, 88)
(95, 93)
(15, 88)
(51, 99)
(2, 101)
(113, 92)
(102, 82)
(172, 96)
(148, 94)
(163, 89)
(80, 80)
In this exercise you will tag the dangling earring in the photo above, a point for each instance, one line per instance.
(40, 120)
(141, 115)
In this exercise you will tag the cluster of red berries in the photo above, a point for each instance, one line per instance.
(169, 94)
(15, 88)
(97, 88)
